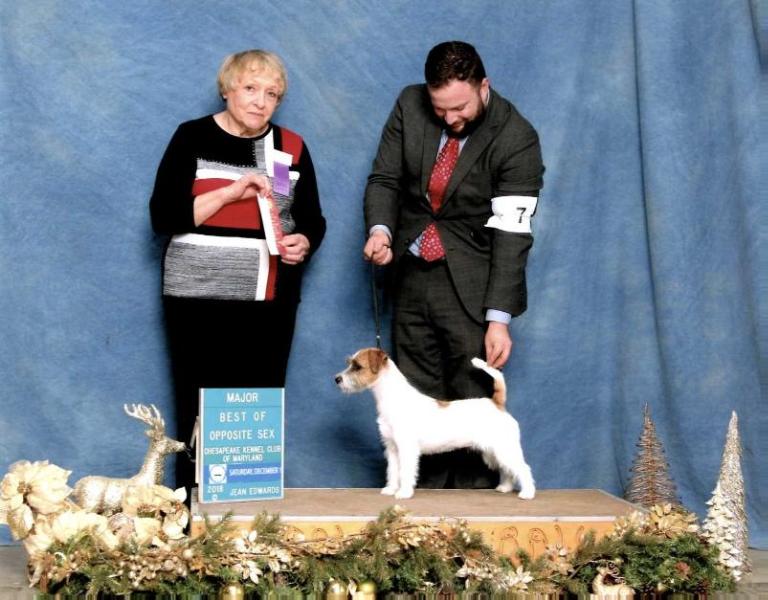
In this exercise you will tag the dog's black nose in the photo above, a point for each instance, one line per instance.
(338, 379)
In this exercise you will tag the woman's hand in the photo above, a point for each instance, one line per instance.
(294, 248)
(249, 185)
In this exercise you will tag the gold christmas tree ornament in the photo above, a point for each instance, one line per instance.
(726, 522)
(336, 590)
(366, 590)
(232, 591)
(650, 483)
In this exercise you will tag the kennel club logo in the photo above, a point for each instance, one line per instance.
(217, 473)
(241, 444)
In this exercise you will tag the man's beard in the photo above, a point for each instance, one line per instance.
(469, 127)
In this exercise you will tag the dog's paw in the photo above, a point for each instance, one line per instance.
(527, 494)
(504, 488)
(404, 493)
(388, 491)
(479, 363)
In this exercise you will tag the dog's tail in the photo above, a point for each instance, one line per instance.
(499, 386)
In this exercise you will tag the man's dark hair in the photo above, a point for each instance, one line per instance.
(453, 60)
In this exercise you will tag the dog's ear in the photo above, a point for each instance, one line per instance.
(377, 359)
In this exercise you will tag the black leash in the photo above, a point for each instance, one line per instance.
(375, 296)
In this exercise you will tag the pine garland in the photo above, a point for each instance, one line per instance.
(660, 551)
(650, 552)
(144, 549)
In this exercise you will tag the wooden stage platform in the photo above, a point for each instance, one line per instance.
(559, 517)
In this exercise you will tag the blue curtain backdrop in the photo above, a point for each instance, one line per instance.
(647, 283)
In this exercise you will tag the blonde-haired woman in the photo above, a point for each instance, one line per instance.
(237, 195)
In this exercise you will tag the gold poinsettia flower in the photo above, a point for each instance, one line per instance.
(635, 521)
(70, 524)
(671, 521)
(77, 522)
(49, 489)
(105, 538)
(248, 570)
(19, 520)
(166, 506)
(65, 526)
(556, 550)
(41, 539)
(40, 486)
(149, 499)
(557, 557)
(145, 529)
(248, 542)
(520, 579)
(175, 524)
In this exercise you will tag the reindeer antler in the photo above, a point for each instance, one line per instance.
(145, 415)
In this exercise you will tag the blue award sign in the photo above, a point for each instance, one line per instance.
(241, 444)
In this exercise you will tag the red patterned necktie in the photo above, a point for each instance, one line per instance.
(431, 248)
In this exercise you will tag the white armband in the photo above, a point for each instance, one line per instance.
(512, 213)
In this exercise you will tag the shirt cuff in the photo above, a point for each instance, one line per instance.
(499, 316)
(383, 228)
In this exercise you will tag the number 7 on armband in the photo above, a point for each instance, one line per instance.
(512, 213)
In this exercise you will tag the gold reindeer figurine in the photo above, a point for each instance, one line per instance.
(105, 494)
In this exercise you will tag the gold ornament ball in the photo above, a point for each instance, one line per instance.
(336, 591)
(366, 590)
(232, 591)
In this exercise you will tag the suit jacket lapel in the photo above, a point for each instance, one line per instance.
(475, 145)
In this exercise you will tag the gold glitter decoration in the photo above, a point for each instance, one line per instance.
(336, 590)
(650, 483)
(726, 522)
(232, 591)
(104, 494)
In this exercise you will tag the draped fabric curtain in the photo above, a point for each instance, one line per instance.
(647, 279)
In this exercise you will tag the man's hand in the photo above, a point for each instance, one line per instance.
(294, 248)
(498, 344)
(377, 248)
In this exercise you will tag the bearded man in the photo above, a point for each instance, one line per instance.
(449, 203)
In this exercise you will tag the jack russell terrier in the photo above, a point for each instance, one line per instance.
(412, 424)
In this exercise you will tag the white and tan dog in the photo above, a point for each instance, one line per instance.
(412, 424)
